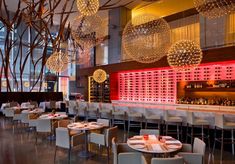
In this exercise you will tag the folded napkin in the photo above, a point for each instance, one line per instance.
(173, 142)
(134, 142)
(152, 137)
(156, 147)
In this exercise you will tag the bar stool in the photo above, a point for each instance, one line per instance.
(119, 116)
(224, 125)
(106, 111)
(93, 111)
(151, 117)
(135, 118)
(170, 119)
(194, 121)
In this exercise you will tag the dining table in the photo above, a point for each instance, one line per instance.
(86, 127)
(154, 144)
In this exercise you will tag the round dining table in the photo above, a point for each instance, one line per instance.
(52, 116)
(86, 127)
(155, 145)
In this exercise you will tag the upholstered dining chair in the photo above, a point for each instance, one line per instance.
(104, 139)
(43, 126)
(149, 131)
(131, 158)
(197, 155)
(174, 160)
(64, 140)
(119, 148)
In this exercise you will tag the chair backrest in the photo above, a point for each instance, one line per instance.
(9, 112)
(13, 103)
(149, 131)
(106, 106)
(131, 158)
(62, 137)
(166, 115)
(114, 149)
(25, 118)
(110, 134)
(52, 104)
(190, 117)
(93, 105)
(199, 146)
(34, 103)
(219, 120)
(43, 125)
(105, 122)
(63, 123)
(175, 160)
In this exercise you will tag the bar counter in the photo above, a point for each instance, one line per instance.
(203, 111)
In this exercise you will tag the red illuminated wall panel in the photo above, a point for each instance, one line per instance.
(159, 85)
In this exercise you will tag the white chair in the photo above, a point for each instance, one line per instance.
(106, 111)
(151, 117)
(72, 107)
(135, 118)
(196, 121)
(119, 116)
(9, 112)
(174, 160)
(224, 124)
(197, 155)
(170, 119)
(119, 148)
(93, 110)
(82, 109)
(131, 158)
(64, 140)
(43, 126)
(149, 132)
(16, 117)
(104, 139)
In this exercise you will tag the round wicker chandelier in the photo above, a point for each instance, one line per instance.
(26, 84)
(99, 75)
(57, 62)
(88, 31)
(146, 38)
(214, 8)
(184, 55)
(88, 7)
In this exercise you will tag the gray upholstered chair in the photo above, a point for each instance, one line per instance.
(194, 121)
(43, 126)
(149, 131)
(170, 119)
(104, 139)
(131, 158)
(197, 155)
(135, 117)
(174, 160)
(224, 123)
(64, 140)
(119, 148)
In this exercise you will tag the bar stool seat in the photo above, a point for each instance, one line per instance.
(135, 118)
(194, 120)
(221, 123)
(119, 116)
(170, 119)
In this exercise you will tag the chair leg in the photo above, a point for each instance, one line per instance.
(222, 145)
(192, 134)
(146, 124)
(213, 149)
(129, 122)
(36, 138)
(232, 137)
(69, 155)
(108, 153)
(166, 129)
(55, 154)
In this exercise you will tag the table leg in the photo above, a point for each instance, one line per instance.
(85, 153)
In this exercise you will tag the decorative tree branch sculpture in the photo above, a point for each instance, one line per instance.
(35, 19)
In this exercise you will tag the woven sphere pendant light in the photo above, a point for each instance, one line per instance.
(146, 38)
